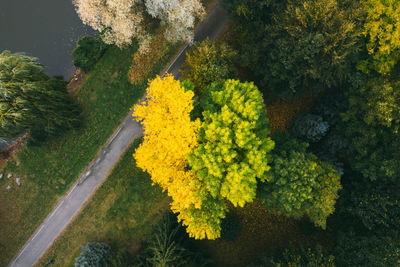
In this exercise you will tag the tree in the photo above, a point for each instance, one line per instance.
(301, 45)
(203, 164)
(124, 20)
(169, 136)
(367, 250)
(308, 127)
(94, 255)
(209, 62)
(298, 257)
(371, 125)
(30, 100)
(88, 51)
(382, 30)
(375, 204)
(299, 184)
(234, 142)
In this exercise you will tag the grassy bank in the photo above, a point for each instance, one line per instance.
(121, 213)
(47, 171)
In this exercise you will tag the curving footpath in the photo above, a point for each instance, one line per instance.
(70, 205)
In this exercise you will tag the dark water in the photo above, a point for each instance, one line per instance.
(47, 29)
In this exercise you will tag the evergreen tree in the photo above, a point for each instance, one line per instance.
(94, 255)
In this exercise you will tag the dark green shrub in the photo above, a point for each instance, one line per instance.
(367, 251)
(209, 62)
(230, 227)
(94, 255)
(88, 51)
(375, 204)
(371, 125)
(309, 128)
(299, 257)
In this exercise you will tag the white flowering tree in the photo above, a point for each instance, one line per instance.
(123, 20)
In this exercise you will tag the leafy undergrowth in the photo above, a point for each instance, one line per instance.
(47, 171)
(121, 213)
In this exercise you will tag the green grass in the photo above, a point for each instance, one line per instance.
(47, 171)
(121, 213)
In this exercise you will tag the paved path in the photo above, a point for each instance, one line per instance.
(70, 205)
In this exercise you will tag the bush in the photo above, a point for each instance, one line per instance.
(299, 257)
(88, 51)
(371, 125)
(300, 45)
(309, 128)
(230, 227)
(299, 184)
(364, 251)
(376, 205)
(94, 255)
(209, 62)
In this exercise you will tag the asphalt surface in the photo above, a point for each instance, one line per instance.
(70, 205)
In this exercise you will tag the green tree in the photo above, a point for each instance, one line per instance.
(88, 51)
(234, 144)
(298, 257)
(302, 45)
(94, 255)
(378, 250)
(382, 30)
(30, 100)
(375, 204)
(299, 184)
(371, 125)
(209, 62)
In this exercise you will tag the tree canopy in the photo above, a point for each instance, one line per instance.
(124, 20)
(300, 184)
(30, 100)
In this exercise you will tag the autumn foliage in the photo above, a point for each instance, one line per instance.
(203, 164)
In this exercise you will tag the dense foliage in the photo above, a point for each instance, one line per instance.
(303, 45)
(372, 125)
(234, 142)
(367, 250)
(88, 51)
(299, 257)
(124, 20)
(94, 254)
(208, 62)
(309, 128)
(382, 29)
(30, 100)
(376, 204)
(300, 184)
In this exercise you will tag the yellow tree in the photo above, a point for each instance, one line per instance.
(169, 136)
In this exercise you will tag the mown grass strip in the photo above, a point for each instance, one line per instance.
(121, 213)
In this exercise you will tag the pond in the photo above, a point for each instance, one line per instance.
(47, 29)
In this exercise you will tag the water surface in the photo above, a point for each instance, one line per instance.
(47, 29)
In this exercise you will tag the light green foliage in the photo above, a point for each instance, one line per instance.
(234, 142)
(209, 62)
(94, 255)
(371, 126)
(300, 185)
(382, 29)
(29, 99)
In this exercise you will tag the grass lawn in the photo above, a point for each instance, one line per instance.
(47, 171)
(121, 213)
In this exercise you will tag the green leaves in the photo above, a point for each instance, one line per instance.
(234, 142)
(300, 184)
